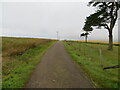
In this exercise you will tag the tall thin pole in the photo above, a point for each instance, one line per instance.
(57, 35)
(101, 57)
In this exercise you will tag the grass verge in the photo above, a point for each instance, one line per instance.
(88, 58)
(16, 71)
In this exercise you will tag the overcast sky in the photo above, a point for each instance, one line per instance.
(43, 19)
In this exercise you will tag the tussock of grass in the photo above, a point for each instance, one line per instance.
(88, 57)
(17, 70)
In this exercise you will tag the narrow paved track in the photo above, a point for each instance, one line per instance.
(56, 70)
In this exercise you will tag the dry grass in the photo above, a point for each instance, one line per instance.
(20, 57)
(102, 42)
(16, 46)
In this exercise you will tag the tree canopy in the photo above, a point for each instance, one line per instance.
(105, 16)
(84, 34)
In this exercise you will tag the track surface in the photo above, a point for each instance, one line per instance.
(56, 70)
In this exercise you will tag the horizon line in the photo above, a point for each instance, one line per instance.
(55, 38)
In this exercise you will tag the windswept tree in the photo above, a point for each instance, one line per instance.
(105, 17)
(85, 35)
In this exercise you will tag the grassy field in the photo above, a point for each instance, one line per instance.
(100, 42)
(16, 46)
(88, 58)
(19, 58)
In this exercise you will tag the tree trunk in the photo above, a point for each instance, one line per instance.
(86, 38)
(110, 46)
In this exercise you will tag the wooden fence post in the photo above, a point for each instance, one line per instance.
(101, 64)
(79, 46)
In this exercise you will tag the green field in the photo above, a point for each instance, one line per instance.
(19, 58)
(87, 56)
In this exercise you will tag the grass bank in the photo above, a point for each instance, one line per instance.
(88, 58)
(17, 67)
(12, 46)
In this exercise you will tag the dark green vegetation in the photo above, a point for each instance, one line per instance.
(20, 57)
(88, 58)
(105, 16)
(85, 35)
